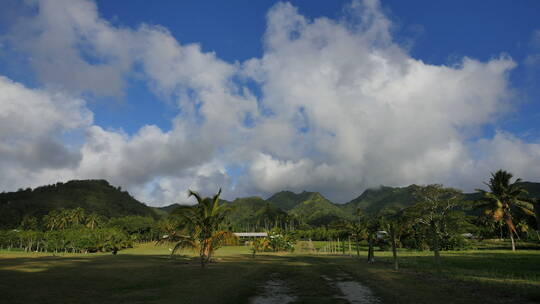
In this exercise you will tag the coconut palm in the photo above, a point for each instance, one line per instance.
(77, 216)
(52, 220)
(502, 202)
(203, 227)
(93, 220)
(64, 219)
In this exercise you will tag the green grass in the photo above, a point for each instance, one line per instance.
(146, 274)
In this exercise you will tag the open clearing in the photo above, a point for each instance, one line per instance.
(146, 274)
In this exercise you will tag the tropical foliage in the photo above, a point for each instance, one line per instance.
(201, 227)
(504, 201)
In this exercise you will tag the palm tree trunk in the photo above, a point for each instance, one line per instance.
(394, 249)
(513, 243)
(371, 254)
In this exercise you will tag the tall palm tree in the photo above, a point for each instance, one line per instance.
(93, 220)
(203, 227)
(502, 202)
(51, 220)
(77, 216)
(64, 219)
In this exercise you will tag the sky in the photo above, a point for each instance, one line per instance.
(262, 96)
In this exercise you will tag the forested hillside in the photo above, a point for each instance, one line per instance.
(92, 195)
(282, 209)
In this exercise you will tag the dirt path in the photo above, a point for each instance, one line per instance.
(353, 292)
(276, 291)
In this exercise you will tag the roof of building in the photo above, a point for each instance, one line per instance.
(250, 234)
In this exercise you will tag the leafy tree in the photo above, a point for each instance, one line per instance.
(502, 202)
(29, 223)
(203, 227)
(139, 227)
(259, 244)
(435, 203)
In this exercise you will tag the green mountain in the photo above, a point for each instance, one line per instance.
(92, 195)
(315, 209)
(532, 188)
(287, 200)
(166, 210)
(375, 199)
(244, 210)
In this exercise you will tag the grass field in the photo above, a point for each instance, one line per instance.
(146, 274)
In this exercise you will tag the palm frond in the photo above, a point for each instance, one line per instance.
(196, 194)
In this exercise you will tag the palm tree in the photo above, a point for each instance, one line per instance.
(203, 227)
(52, 220)
(77, 216)
(503, 201)
(64, 219)
(93, 220)
(394, 222)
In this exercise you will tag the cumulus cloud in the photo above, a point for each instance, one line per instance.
(343, 107)
(31, 125)
(373, 114)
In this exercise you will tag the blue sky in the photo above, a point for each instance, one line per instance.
(261, 96)
(436, 33)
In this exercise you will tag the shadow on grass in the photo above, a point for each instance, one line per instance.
(501, 276)
(132, 278)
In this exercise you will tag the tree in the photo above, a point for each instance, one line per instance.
(52, 220)
(502, 202)
(29, 223)
(372, 226)
(435, 203)
(93, 220)
(77, 216)
(394, 221)
(64, 219)
(202, 227)
(356, 229)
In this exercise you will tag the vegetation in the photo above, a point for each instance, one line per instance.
(94, 196)
(436, 202)
(464, 231)
(201, 227)
(317, 210)
(502, 202)
(483, 276)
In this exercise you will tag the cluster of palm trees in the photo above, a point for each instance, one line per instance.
(67, 218)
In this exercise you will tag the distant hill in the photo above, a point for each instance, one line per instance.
(244, 210)
(309, 207)
(287, 200)
(316, 209)
(375, 199)
(532, 188)
(166, 210)
(92, 195)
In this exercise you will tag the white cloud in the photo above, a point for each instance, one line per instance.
(31, 124)
(349, 108)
